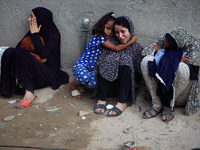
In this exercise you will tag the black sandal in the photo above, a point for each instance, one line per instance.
(101, 106)
(168, 112)
(152, 112)
(116, 110)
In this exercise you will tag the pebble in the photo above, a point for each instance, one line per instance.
(83, 118)
(2, 126)
(19, 115)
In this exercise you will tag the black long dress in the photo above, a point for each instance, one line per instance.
(18, 63)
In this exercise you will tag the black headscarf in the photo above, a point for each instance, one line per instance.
(45, 18)
(123, 22)
(171, 41)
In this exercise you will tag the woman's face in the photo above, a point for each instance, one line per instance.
(122, 33)
(166, 44)
(32, 16)
(108, 30)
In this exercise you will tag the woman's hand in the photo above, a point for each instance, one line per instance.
(134, 39)
(156, 47)
(186, 59)
(34, 27)
(44, 60)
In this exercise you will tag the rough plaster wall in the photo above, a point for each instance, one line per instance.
(151, 19)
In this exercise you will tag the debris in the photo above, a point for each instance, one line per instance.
(158, 138)
(72, 105)
(19, 115)
(65, 140)
(140, 109)
(85, 103)
(9, 118)
(50, 110)
(127, 130)
(109, 106)
(11, 102)
(83, 113)
(83, 118)
(2, 126)
(130, 145)
(12, 138)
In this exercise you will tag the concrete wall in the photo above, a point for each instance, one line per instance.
(151, 19)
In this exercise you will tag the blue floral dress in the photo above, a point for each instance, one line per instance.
(83, 69)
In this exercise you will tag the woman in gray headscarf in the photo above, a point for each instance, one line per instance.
(116, 71)
(185, 84)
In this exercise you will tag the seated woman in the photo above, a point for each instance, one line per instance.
(83, 70)
(35, 62)
(116, 70)
(171, 76)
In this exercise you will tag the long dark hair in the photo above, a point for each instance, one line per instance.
(99, 27)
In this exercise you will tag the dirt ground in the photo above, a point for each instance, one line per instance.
(72, 124)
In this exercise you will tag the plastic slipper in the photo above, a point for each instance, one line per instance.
(26, 103)
(75, 93)
(152, 112)
(116, 110)
(101, 106)
(168, 112)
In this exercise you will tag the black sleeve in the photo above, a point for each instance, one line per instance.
(194, 72)
(36, 42)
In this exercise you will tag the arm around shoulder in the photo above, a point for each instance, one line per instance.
(120, 47)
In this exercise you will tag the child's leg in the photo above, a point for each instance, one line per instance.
(92, 81)
(83, 75)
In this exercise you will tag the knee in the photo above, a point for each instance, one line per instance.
(145, 60)
(92, 82)
(83, 78)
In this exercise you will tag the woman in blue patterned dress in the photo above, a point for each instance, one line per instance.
(83, 69)
(118, 71)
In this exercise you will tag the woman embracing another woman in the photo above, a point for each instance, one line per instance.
(117, 71)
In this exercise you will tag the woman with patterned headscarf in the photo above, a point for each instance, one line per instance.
(171, 77)
(117, 70)
(35, 62)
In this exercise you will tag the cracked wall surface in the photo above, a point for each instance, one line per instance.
(151, 19)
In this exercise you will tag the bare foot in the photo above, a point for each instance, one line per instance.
(121, 106)
(100, 110)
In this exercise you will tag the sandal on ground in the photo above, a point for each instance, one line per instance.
(75, 93)
(26, 103)
(168, 112)
(152, 112)
(101, 106)
(116, 110)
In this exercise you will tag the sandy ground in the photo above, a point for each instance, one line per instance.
(72, 124)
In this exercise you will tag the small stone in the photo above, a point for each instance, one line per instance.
(19, 115)
(83, 118)
(2, 126)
